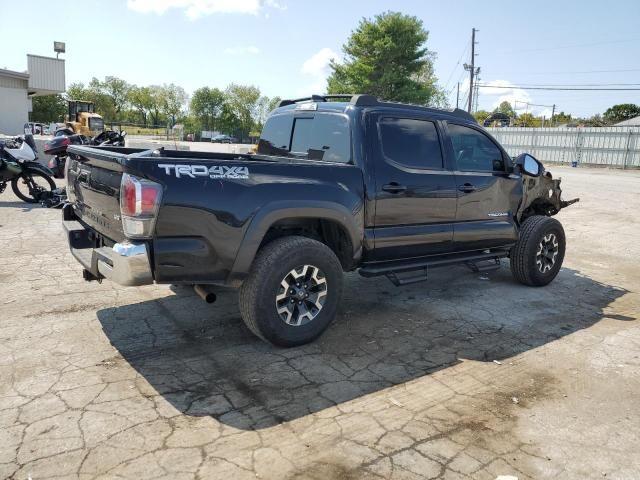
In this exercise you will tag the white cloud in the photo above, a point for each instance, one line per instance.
(242, 50)
(317, 67)
(197, 8)
(318, 63)
(546, 113)
(505, 93)
(318, 87)
(276, 5)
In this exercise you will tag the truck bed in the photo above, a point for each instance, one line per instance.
(209, 201)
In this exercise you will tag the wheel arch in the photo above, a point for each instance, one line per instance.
(279, 219)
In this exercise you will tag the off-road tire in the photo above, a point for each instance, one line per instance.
(523, 254)
(271, 265)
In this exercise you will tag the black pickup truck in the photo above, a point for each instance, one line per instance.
(337, 183)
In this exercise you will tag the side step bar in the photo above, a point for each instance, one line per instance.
(477, 262)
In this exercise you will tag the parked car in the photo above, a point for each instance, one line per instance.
(223, 139)
(382, 188)
(37, 128)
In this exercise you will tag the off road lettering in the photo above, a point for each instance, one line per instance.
(216, 171)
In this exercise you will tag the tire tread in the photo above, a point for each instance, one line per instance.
(269, 255)
(523, 249)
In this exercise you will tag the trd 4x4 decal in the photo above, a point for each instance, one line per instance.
(217, 171)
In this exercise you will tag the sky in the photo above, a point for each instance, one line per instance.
(284, 46)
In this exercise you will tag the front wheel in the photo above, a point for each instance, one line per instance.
(292, 292)
(537, 256)
(31, 184)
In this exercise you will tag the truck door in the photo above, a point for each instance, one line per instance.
(415, 192)
(488, 195)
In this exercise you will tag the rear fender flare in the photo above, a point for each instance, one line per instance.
(273, 212)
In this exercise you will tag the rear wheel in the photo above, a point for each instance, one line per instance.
(30, 186)
(537, 257)
(292, 292)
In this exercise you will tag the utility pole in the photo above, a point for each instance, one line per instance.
(458, 96)
(553, 112)
(471, 68)
(477, 88)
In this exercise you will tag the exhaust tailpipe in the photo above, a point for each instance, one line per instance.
(205, 293)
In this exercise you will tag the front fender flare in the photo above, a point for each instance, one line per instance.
(275, 211)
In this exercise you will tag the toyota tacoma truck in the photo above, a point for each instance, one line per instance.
(337, 183)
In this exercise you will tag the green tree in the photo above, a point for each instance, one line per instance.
(481, 116)
(621, 112)
(172, 101)
(387, 57)
(118, 91)
(92, 93)
(104, 103)
(206, 106)
(229, 122)
(527, 120)
(506, 108)
(597, 121)
(157, 96)
(141, 99)
(265, 106)
(77, 91)
(243, 103)
(48, 108)
(561, 118)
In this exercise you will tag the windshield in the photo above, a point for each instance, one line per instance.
(96, 124)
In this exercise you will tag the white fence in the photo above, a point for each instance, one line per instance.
(617, 147)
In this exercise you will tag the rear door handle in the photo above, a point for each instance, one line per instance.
(467, 187)
(394, 187)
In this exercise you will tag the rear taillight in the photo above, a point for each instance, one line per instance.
(139, 203)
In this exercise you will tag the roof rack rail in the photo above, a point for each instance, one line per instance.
(359, 100)
(364, 100)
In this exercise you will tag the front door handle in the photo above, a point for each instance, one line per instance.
(467, 187)
(394, 187)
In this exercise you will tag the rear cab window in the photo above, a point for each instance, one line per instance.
(318, 136)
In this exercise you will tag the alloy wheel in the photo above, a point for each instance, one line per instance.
(301, 295)
(547, 252)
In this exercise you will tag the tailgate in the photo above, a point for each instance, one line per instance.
(93, 188)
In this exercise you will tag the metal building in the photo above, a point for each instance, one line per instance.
(45, 76)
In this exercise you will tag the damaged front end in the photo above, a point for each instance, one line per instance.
(541, 193)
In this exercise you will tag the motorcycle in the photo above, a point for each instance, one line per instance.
(30, 181)
(57, 146)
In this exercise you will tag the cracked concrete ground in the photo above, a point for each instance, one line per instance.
(466, 376)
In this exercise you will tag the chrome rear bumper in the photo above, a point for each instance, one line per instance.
(125, 263)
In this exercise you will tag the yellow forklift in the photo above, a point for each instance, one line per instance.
(82, 118)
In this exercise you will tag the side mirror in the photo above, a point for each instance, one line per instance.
(529, 165)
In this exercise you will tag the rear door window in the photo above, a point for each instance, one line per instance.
(410, 142)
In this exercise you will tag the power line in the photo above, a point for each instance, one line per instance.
(578, 84)
(586, 71)
(456, 65)
(581, 45)
(588, 89)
